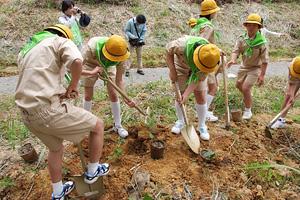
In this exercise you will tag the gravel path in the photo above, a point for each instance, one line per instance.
(8, 84)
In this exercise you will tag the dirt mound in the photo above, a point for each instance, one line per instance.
(235, 172)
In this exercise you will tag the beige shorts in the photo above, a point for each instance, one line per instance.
(89, 81)
(211, 78)
(58, 122)
(249, 77)
(182, 79)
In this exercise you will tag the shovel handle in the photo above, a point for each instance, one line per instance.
(121, 92)
(81, 156)
(286, 108)
(227, 115)
(178, 95)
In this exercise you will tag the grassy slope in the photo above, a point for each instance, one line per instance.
(166, 21)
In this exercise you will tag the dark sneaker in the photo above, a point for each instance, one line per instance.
(141, 72)
(127, 73)
(102, 170)
(67, 189)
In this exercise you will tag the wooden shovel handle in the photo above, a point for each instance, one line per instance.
(286, 108)
(178, 95)
(227, 115)
(121, 92)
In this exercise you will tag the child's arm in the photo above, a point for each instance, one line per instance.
(265, 59)
(235, 54)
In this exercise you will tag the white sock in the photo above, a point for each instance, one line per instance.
(247, 109)
(201, 113)
(57, 188)
(116, 111)
(92, 167)
(209, 99)
(87, 105)
(179, 113)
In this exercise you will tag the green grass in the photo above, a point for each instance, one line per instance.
(6, 182)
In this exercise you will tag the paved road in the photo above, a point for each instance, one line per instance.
(8, 84)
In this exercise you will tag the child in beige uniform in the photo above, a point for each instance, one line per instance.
(252, 46)
(204, 28)
(106, 53)
(40, 97)
(292, 89)
(190, 59)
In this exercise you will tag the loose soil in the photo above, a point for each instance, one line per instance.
(180, 168)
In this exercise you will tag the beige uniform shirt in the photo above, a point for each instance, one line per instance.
(42, 72)
(89, 53)
(177, 48)
(254, 62)
(208, 33)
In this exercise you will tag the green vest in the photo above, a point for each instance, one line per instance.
(100, 57)
(189, 53)
(202, 22)
(76, 33)
(34, 40)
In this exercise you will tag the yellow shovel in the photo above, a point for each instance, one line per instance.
(188, 131)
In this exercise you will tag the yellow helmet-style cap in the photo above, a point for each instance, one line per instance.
(207, 57)
(254, 19)
(62, 29)
(295, 68)
(192, 22)
(116, 49)
(208, 7)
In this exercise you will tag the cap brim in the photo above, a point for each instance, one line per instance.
(252, 22)
(113, 57)
(208, 12)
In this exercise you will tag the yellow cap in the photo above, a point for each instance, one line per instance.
(254, 19)
(295, 68)
(116, 49)
(208, 7)
(192, 22)
(62, 29)
(207, 57)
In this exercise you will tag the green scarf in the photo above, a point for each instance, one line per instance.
(202, 22)
(76, 33)
(100, 57)
(34, 40)
(189, 52)
(251, 43)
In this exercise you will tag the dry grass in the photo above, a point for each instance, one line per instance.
(166, 21)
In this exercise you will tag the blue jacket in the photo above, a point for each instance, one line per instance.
(130, 31)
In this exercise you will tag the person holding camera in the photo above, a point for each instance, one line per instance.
(69, 19)
(135, 31)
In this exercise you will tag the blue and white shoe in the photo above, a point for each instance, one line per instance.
(67, 189)
(204, 135)
(102, 170)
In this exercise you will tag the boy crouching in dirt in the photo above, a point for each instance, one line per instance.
(252, 46)
(292, 89)
(190, 59)
(40, 97)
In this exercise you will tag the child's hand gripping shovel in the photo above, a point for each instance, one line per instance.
(287, 107)
(89, 191)
(188, 131)
(104, 76)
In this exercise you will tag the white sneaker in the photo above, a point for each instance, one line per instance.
(204, 135)
(177, 127)
(210, 117)
(247, 115)
(280, 123)
(121, 131)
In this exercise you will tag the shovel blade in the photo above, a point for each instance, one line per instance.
(268, 132)
(90, 191)
(191, 137)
